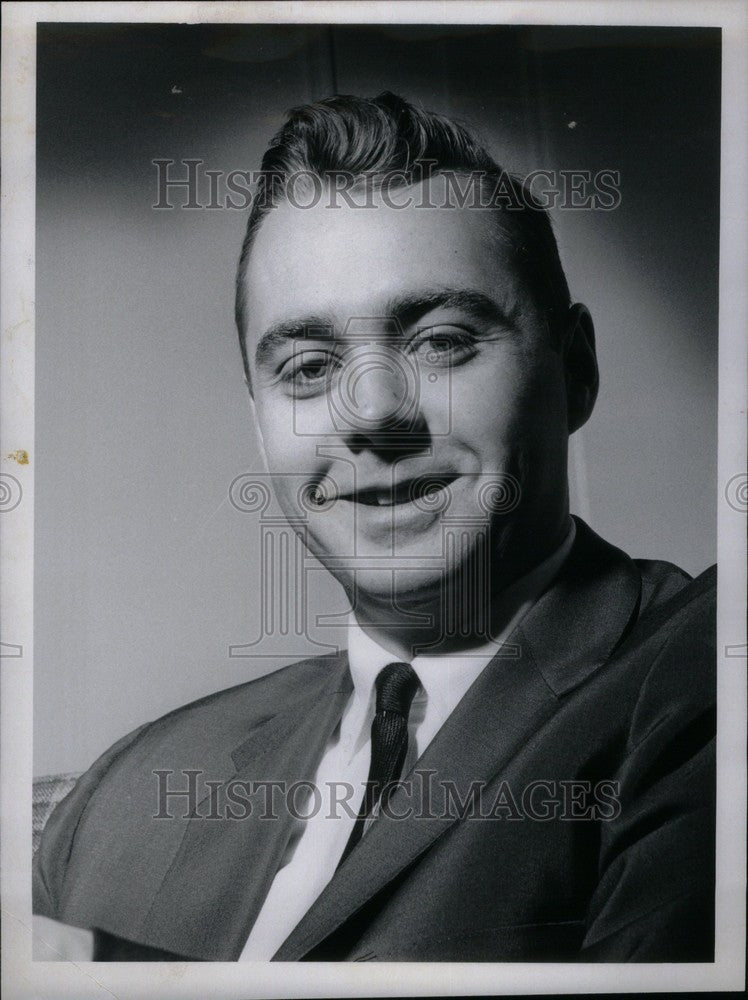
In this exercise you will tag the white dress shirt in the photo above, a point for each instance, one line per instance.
(316, 844)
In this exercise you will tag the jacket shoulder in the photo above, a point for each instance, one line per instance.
(56, 843)
(655, 897)
(679, 687)
(199, 734)
(660, 580)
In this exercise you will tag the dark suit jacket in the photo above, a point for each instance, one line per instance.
(612, 681)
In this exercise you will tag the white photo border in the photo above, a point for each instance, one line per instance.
(38, 980)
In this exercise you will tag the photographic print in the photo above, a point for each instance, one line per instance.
(385, 441)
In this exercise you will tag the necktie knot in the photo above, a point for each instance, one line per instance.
(396, 685)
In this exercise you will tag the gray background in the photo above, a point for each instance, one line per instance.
(144, 571)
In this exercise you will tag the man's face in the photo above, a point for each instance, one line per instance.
(392, 346)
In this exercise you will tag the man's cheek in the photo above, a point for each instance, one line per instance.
(283, 451)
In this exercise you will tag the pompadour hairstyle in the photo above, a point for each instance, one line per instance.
(370, 139)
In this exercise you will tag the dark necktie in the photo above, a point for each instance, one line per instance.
(396, 684)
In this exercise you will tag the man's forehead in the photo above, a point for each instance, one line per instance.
(356, 261)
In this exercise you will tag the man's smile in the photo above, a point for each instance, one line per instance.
(428, 488)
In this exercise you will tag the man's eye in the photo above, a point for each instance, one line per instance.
(444, 345)
(308, 371)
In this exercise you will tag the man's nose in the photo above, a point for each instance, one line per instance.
(376, 396)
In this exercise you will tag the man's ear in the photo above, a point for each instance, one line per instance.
(580, 365)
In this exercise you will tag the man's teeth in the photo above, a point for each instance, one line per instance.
(382, 498)
(403, 493)
(387, 497)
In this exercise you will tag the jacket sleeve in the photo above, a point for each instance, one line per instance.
(654, 901)
(55, 846)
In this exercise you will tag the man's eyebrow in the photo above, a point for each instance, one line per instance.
(405, 309)
(311, 327)
(409, 309)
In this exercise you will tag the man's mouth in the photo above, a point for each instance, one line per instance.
(427, 488)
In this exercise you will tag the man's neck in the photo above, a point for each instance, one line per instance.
(441, 621)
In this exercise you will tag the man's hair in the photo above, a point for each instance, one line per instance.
(385, 137)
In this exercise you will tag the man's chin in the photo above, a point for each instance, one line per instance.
(390, 595)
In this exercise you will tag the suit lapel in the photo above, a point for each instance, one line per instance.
(585, 614)
(567, 635)
(223, 868)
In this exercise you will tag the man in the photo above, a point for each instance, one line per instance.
(514, 759)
